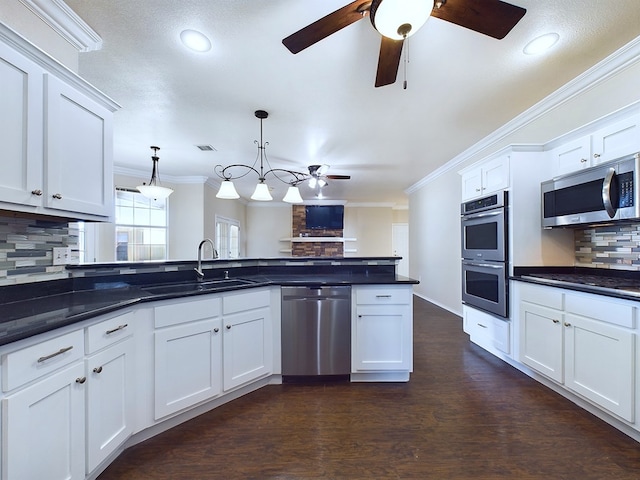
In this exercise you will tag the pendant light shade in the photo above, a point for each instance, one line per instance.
(293, 195)
(153, 189)
(261, 193)
(227, 191)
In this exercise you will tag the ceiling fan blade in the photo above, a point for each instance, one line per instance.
(326, 26)
(338, 177)
(388, 61)
(490, 17)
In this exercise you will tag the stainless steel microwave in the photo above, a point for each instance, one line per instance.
(605, 193)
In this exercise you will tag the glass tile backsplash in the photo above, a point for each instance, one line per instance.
(615, 246)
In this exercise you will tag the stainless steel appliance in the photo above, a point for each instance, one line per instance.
(484, 228)
(605, 193)
(316, 330)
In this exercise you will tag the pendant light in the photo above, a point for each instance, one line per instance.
(262, 192)
(153, 189)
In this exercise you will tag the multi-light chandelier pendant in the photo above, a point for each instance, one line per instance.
(261, 193)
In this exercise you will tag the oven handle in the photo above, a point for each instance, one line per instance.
(488, 265)
(606, 192)
(481, 215)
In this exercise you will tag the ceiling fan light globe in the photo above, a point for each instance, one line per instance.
(321, 182)
(227, 191)
(293, 195)
(261, 193)
(313, 181)
(390, 17)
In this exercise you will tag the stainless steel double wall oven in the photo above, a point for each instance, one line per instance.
(485, 260)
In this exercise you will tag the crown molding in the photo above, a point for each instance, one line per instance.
(64, 21)
(132, 172)
(618, 61)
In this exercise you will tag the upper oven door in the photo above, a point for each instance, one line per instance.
(483, 235)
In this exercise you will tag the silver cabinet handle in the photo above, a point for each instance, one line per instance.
(228, 327)
(556, 321)
(118, 328)
(583, 160)
(37, 192)
(383, 296)
(216, 330)
(567, 324)
(57, 196)
(481, 325)
(596, 155)
(59, 352)
(81, 380)
(97, 369)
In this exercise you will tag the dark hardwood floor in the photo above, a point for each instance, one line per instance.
(464, 414)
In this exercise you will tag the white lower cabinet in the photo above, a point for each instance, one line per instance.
(489, 332)
(382, 333)
(188, 353)
(586, 343)
(44, 425)
(247, 337)
(110, 395)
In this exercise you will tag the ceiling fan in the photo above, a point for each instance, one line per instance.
(318, 177)
(396, 20)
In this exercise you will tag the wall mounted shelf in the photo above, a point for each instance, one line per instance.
(318, 239)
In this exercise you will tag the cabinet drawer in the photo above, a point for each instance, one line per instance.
(488, 331)
(22, 366)
(387, 295)
(550, 297)
(243, 301)
(600, 308)
(188, 311)
(108, 332)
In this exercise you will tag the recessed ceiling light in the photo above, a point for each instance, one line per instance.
(540, 44)
(195, 40)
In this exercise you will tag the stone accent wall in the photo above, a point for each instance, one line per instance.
(616, 246)
(313, 249)
(26, 248)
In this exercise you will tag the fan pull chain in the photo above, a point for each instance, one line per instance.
(406, 60)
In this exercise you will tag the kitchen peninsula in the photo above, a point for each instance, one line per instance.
(124, 351)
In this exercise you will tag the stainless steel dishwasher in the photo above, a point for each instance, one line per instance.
(316, 331)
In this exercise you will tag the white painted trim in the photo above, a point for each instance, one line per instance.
(66, 23)
(621, 59)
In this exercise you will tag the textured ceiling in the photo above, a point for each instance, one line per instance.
(323, 107)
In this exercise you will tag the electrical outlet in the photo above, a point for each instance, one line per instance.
(61, 255)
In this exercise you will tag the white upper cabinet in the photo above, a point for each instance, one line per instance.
(57, 137)
(614, 140)
(485, 178)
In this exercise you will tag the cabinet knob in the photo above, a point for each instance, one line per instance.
(216, 330)
(97, 369)
(583, 160)
(596, 155)
(81, 380)
(477, 189)
(567, 324)
(556, 321)
(228, 327)
(37, 192)
(57, 196)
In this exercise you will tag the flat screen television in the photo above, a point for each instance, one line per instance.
(327, 217)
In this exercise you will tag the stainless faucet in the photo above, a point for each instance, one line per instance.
(214, 254)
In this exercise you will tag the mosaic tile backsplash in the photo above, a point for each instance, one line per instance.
(26, 249)
(615, 246)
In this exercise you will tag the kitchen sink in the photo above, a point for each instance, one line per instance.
(196, 286)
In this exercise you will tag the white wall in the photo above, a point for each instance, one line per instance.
(434, 207)
(371, 227)
(267, 223)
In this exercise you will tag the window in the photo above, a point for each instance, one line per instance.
(227, 237)
(141, 227)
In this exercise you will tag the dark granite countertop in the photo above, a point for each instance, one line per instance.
(30, 309)
(601, 281)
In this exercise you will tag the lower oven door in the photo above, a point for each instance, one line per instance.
(484, 286)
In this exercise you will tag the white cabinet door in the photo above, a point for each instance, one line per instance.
(599, 364)
(248, 347)
(571, 156)
(495, 175)
(383, 338)
(541, 340)
(616, 140)
(78, 151)
(21, 99)
(471, 184)
(44, 428)
(110, 396)
(187, 365)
